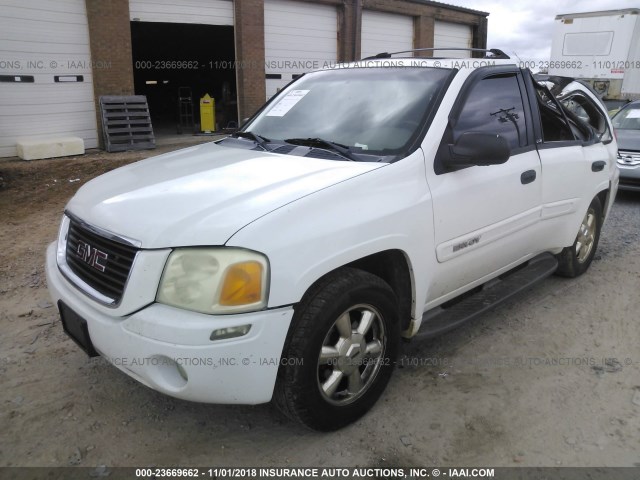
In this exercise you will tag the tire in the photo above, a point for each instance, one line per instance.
(345, 335)
(573, 261)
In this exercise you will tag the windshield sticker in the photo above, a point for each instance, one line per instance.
(287, 103)
(635, 113)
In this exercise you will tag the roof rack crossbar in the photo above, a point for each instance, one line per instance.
(497, 53)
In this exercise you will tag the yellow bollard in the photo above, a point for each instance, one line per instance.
(207, 114)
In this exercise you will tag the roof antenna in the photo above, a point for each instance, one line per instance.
(519, 59)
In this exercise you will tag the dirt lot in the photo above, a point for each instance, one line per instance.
(551, 378)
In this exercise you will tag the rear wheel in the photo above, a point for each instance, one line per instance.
(345, 337)
(573, 261)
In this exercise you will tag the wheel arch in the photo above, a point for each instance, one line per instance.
(603, 194)
(605, 198)
(394, 267)
(569, 262)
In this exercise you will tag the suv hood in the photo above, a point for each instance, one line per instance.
(202, 195)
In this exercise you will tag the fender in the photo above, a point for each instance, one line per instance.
(384, 209)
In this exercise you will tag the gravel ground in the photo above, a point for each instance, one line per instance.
(549, 378)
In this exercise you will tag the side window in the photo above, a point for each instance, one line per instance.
(494, 105)
(554, 123)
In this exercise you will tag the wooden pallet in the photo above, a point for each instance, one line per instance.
(126, 123)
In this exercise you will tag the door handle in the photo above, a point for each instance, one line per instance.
(598, 166)
(528, 177)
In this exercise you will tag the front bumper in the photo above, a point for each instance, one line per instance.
(169, 349)
(629, 177)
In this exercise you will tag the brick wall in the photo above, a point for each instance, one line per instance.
(110, 42)
(249, 33)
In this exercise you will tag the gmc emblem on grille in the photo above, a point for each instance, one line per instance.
(92, 256)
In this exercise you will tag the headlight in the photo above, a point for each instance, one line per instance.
(215, 280)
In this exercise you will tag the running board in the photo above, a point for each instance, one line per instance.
(440, 320)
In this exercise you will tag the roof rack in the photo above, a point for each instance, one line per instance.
(497, 53)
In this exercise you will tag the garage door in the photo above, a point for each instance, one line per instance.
(207, 12)
(385, 32)
(298, 37)
(46, 85)
(455, 35)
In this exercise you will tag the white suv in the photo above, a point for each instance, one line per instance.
(286, 261)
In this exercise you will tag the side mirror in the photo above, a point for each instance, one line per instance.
(476, 148)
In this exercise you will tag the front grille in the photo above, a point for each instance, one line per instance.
(102, 263)
(628, 157)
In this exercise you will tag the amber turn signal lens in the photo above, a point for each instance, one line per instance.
(242, 284)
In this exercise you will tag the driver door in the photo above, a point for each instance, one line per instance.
(486, 217)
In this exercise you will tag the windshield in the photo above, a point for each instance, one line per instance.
(627, 119)
(370, 111)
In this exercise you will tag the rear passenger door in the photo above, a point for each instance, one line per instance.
(485, 216)
(572, 142)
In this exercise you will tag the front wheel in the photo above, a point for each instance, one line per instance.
(345, 336)
(573, 261)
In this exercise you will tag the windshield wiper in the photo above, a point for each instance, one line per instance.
(261, 141)
(342, 150)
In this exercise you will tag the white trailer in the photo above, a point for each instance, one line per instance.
(602, 48)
